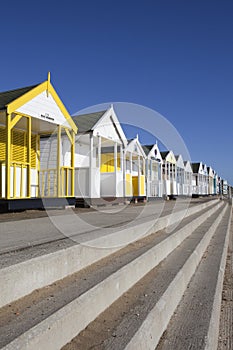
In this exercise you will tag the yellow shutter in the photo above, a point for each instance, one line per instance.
(2, 143)
(19, 147)
(33, 151)
(19, 150)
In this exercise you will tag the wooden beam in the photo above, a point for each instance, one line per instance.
(8, 156)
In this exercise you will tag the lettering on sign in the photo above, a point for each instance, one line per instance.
(46, 116)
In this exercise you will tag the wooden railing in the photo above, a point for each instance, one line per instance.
(16, 191)
(1, 179)
(66, 181)
(48, 182)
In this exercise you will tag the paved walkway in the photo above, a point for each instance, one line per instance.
(17, 231)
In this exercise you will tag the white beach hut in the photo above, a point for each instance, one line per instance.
(169, 173)
(134, 157)
(215, 183)
(99, 157)
(180, 174)
(187, 178)
(210, 172)
(154, 184)
(200, 179)
(205, 190)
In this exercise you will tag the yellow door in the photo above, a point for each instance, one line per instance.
(135, 185)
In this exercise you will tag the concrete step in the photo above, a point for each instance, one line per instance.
(195, 324)
(63, 310)
(23, 277)
(225, 341)
(138, 319)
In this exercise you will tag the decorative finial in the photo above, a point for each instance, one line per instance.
(48, 83)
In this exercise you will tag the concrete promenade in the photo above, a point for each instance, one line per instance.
(17, 231)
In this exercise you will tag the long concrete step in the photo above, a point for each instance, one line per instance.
(225, 339)
(80, 299)
(138, 319)
(24, 277)
(195, 324)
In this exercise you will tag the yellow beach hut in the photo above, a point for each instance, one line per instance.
(26, 181)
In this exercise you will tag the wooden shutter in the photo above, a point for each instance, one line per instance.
(2, 143)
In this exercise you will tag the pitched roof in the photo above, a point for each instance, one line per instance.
(147, 148)
(86, 122)
(164, 154)
(8, 96)
(195, 167)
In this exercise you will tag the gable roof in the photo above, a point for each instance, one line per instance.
(164, 154)
(187, 166)
(139, 147)
(147, 148)
(180, 161)
(86, 122)
(13, 100)
(7, 97)
(195, 167)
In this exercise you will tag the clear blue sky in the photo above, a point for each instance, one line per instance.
(175, 57)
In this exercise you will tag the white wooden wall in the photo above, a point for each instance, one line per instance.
(45, 108)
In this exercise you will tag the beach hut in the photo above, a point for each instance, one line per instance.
(215, 183)
(205, 190)
(154, 184)
(169, 174)
(180, 175)
(26, 178)
(219, 185)
(225, 188)
(197, 178)
(200, 179)
(134, 158)
(99, 157)
(210, 172)
(187, 178)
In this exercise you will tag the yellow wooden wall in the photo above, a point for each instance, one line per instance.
(128, 185)
(142, 185)
(107, 163)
